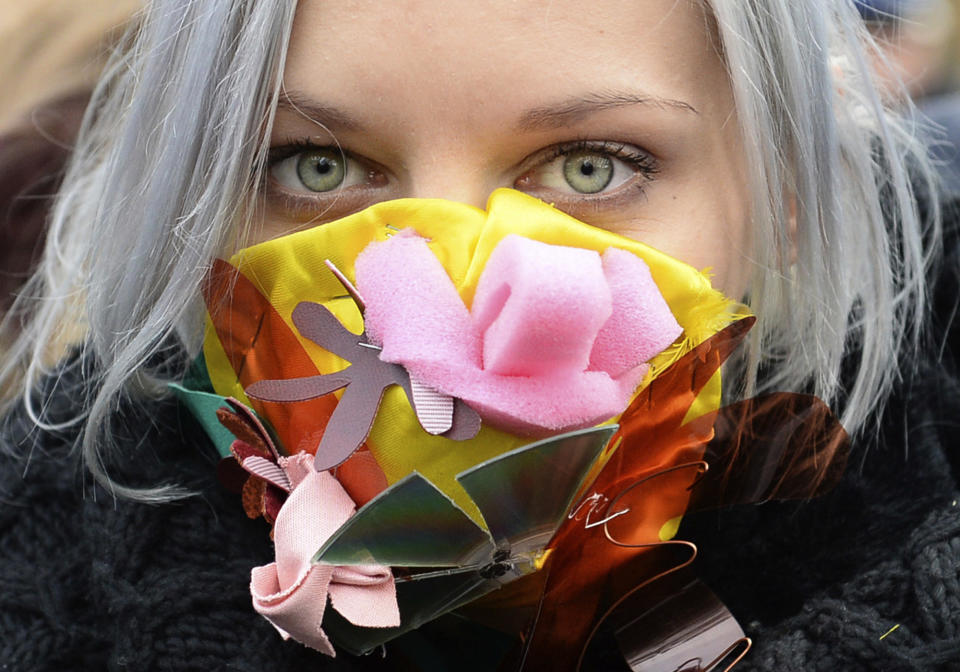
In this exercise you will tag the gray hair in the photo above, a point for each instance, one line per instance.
(166, 177)
(839, 251)
(163, 178)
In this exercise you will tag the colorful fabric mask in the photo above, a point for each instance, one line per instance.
(459, 372)
(252, 333)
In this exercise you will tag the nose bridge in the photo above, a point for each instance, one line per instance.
(450, 170)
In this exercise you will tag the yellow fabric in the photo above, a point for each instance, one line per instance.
(669, 529)
(291, 269)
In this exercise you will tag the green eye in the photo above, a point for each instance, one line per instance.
(321, 169)
(587, 172)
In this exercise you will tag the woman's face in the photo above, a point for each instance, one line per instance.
(618, 113)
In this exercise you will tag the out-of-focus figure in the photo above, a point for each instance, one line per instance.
(920, 48)
(918, 38)
(53, 52)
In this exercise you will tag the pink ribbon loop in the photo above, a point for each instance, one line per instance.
(292, 593)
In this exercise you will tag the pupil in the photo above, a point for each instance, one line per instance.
(321, 170)
(588, 172)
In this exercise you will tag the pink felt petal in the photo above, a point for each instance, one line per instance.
(292, 593)
(641, 324)
(629, 381)
(534, 406)
(412, 308)
(539, 307)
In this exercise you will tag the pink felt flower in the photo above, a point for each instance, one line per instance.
(557, 337)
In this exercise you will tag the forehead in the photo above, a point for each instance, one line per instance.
(488, 59)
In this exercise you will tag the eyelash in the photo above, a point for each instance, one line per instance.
(645, 163)
(292, 148)
(304, 205)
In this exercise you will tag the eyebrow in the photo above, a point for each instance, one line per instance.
(325, 115)
(564, 113)
(573, 110)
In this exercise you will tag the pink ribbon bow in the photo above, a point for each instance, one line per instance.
(291, 592)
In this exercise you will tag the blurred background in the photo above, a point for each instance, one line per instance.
(920, 43)
(51, 55)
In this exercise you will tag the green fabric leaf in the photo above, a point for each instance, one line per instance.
(203, 406)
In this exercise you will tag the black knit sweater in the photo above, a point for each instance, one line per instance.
(90, 582)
